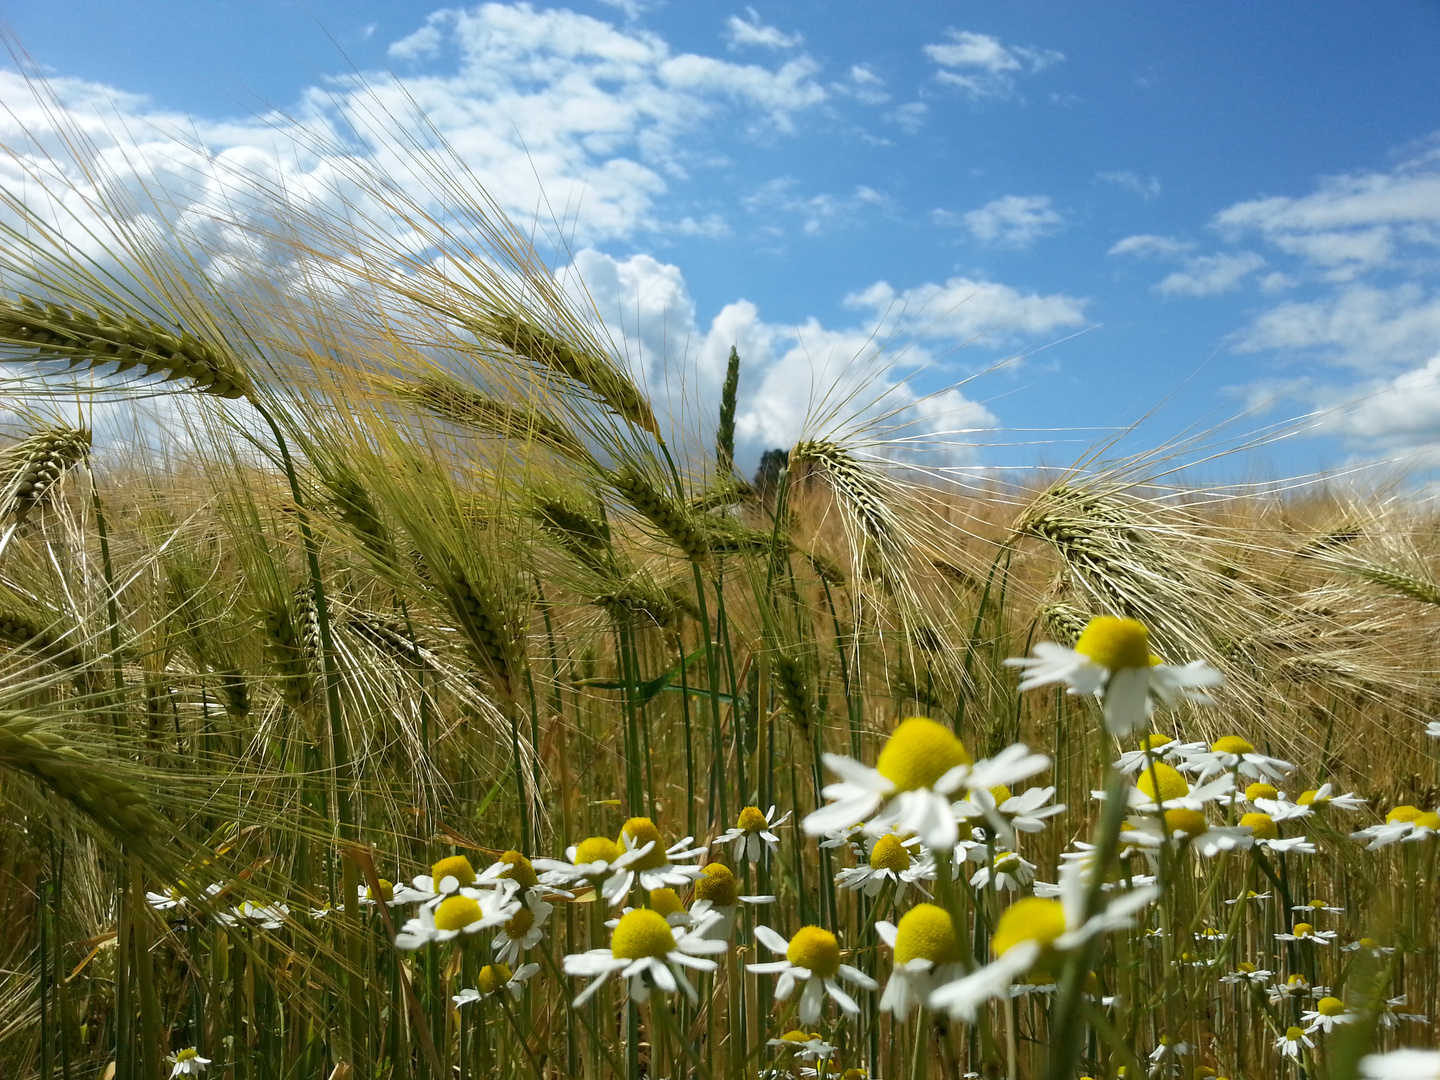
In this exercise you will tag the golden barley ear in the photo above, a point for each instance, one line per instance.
(36, 331)
(30, 469)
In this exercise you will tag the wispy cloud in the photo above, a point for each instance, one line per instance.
(1015, 221)
(1150, 246)
(1210, 275)
(752, 32)
(983, 66)
(1147, 187)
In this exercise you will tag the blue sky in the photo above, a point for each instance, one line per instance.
(1208, 205)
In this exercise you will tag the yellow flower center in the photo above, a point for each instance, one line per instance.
(1232, 744)
(1246, 967)
(1369, 943)
(816, 949)
(665, 902)
(1172, 784)
(717, 885)
(1202, 1072)
(1316, 904)
(456, 913)
(1303, 929)
(1155, 740)
(1307, 798)
(889, 854)
(387, 891)
(1297, 983)
(751, 820)
(597, 849)
(491, 978)
(520, 870)
(1000, 793)
(1030, 919)
(1330, 1006)
(642, 831)
(1261, 825)
(1403, 814)
(1115, 643)
(1190, 822)
(919, 752)
(798, 1036)
(855, 1074)
(1294, 1034)
(188, 1054)
(1427, 820)
(925, 932)
(642, 933)
(520, 924)
(1263, 790)
(1007, 863)
(456, 866)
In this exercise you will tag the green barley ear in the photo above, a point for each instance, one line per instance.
(605, 379)
(286, 652)
(1064, 622)
(452, 400)
(25, 624)
(727, 491)
(86, 783)
(492, 623)
(38, 331)
(793, 689)
(30, 469)
(725, 431)
(575, 527)
(672, 518)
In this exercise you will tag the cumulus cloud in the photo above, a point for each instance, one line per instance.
(983, 66)
(965, 309)
(1146, 187)
(1397, 413)
(1015, 221)
(1149, 246)
(742, 32)
(1209, 275)
(1360, 325)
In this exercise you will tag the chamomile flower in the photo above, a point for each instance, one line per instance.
(1423, 827)
(494, 978)
(1295, 988)
(1153, 747)
(657, 868)
(1161, 785)
(446, 878)
(891, 862)
(1267, 835)
(1112, 660)
(1246, 972)
(753, 832)
(1390, 1014)
(927, 953)
(1319, 905)
(1232, 753)
(647, 952)
(1369, 945)
(1323, 796)
(512, 871)
(369, 897)
(265, 916)
(1328, 1012)
(1182, 827)
(1293, 1043)
(1398, 824)
(802, 1046)
(1304, 931)
(523, 930)
(172, 897)
(920, 767)
(812, 957)
(187, 1062)
(717, 899)
(593, 861)
(1025, 812)
(455, 915)
(1011, 872)
(1034, 930)
(1401, 1065)
(1250, 895)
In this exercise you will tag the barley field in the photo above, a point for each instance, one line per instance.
(415, 695)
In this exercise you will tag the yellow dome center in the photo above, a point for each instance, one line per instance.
(1262, 790)
(456, 866)
(387, 891)
(642, 933)
(597, 849)
(665, 902)
(1030, 919)
(1307, 798)
(890, 854)
(188, 1054)
(1330, 1006)
(1115, 643)
(751, 820)
(815, 949)
(520, 870)
(925, 932)
(1000, 793)
(1303, 929)
(1427, 820)
(492, 977)
(642, 831)
(1232, 744)
(1294, 1034)
(1403, 814)
(1155, 740)
(521, 923)
(717, 885)
(919, 752)
(1262, 826)
(1172, 784)
(456, 913)
(1190, 822)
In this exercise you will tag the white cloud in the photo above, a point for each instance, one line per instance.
(864, 86)
(631, 9)
(816, 213)
(909, 117)
(1394, 413)
(983, 66)
(1149, 246)
(1209, 275)
(1014, 221)
(753, 32)
(1360, 326)
(965, 309)
(1146, 187)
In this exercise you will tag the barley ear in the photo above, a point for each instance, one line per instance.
(672, 518)
(30, 469)
(453, 401)
(725, 431)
